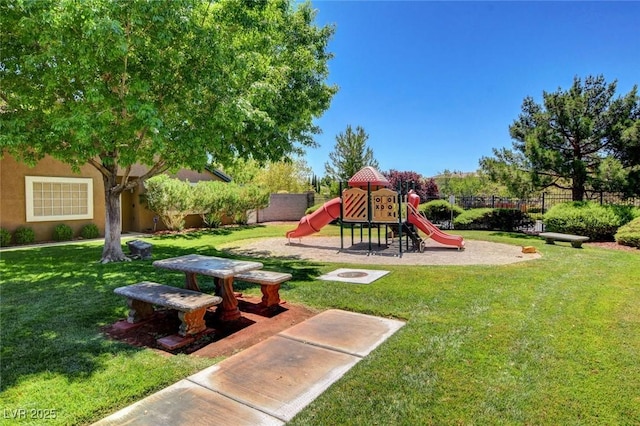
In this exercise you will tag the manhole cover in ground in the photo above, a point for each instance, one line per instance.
(353, 274)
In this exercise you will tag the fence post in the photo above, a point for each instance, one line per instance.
(342, 217)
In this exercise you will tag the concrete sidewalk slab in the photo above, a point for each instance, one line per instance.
(349, 332)
(186, 403)
(270, 382)
(279, 376)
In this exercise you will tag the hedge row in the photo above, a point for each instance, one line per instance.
(25, 235)
(629, 234)
(440, 210)
(492, 219)
(599, 223)
(173, 200)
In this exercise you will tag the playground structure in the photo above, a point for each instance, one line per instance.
(368, 202)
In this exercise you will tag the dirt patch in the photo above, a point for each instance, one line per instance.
(220, 338)
(612, 246)
(328, 249)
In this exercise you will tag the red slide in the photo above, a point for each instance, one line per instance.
(313, 222)
(423, 224)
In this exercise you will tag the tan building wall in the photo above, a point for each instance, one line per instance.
(135, 216)
(284, 207)
(13, 199)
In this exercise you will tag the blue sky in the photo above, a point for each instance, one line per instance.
(437, 84)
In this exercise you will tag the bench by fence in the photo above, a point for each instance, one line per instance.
(575, 240)
(269, 284)
(191, 305)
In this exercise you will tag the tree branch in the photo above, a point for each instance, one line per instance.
(125, 178)
(102, 169)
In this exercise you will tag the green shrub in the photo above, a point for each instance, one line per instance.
(248, 197)
(5, 237)
(214, 201)
(498, 219)
(473, 219)
(587, 218)
(171, 199)
(629, 234)
(24, 235)
(211, 201)
(62, 232)
(625, 213)
(89, 231)
(509, 219)
(535, 215)
(439, 210)
(313, 208)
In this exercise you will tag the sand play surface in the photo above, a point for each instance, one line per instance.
(327, 249)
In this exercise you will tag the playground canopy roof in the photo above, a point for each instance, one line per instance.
(368, 175)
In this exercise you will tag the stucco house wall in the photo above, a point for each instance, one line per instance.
(15, 200)
(13, 205)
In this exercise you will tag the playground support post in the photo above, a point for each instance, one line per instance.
(400, 219)
(341, 217)
(369, 213)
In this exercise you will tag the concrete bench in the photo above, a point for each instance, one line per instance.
(575, 240)
(269, 284)
(191, 305)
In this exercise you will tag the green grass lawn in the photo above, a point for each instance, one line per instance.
(550, 341)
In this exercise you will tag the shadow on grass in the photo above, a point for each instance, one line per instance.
(194, 234)
(56, 300)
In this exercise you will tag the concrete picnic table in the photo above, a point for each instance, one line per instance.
(221, 269)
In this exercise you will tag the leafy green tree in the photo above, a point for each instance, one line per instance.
(628, 153)
(567, 137)
(285, 176)
(350, 154)
(250, 197)
(167, 84)
(242, 170)
(210, 200)
(467, 184)
(510, 169)
(171, 199)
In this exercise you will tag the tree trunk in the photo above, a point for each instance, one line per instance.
(112, 251)
(579, 180)
(577, 193)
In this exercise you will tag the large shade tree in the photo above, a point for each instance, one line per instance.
(576, 139)
(627, 150)
(164, 83)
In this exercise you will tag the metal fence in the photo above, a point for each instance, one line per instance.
(538, 204)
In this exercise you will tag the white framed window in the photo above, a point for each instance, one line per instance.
(58, 198)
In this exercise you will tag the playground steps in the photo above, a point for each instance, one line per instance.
(416, 239)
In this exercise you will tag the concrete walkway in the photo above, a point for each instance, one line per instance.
(268, 383)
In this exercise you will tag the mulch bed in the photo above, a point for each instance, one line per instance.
(612, 246)
(222, 338)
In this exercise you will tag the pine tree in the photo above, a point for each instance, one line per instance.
(350, 154)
